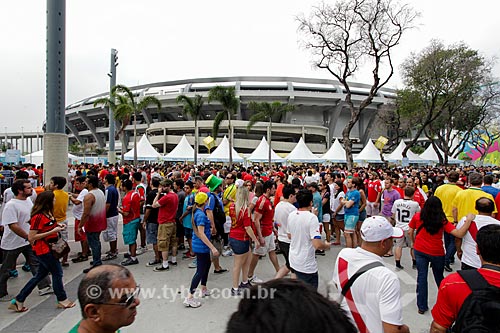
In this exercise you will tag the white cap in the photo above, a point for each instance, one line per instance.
(377, 228)
(239, 182)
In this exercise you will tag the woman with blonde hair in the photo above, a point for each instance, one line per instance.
(239, 237)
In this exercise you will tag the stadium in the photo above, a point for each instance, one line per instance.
(319, 115)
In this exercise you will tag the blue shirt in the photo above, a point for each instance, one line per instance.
(317, 203)
(491, 190)
(188, 201)
(211, 203)
(200, 219)
(112, 199)
(356, 197)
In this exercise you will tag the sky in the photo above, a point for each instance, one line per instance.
(160, 40)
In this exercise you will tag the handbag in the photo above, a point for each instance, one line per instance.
(59, 248)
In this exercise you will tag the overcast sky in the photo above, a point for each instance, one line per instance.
(162, 40)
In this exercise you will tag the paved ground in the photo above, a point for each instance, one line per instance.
(162, 311)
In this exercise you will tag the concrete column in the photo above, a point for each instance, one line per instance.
(164, 140)
(55, 150)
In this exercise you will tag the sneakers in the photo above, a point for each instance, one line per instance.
(245, 285)
(141, 250)
(320, 252)
(227, 252)
(153, 262)
(45, 291)
(110, 256)
(193, 264)
(127, 255)
(172, 263)
(129, 262)
(161, 268)
(205, 293)
(188, 255)
(235, 292)
(448, 268)
(191, 303)
(255, 279)
(220, 271)
(5, 298)
(80, 258)
(399, 267)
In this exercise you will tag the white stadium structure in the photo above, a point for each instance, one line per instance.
(319, 115)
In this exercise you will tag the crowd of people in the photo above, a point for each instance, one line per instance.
(299, 212)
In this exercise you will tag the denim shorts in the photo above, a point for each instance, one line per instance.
(238, 246)
(350, 222)
(130, 232)
(151, 233)
(188, 232)
(362, 216)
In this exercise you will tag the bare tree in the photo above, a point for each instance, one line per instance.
(351, 33)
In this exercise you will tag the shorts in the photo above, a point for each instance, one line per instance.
(167, 236)
(188, 232)
(218, 243)
(239, 246)
(268, 246)
(405, 240)
(339, 217)
(111, 232)
(82, 237)
(130, 232)
(326, 218)
(285, 250)
(371, 210)
(64, 232)
(350, 222)
(151, 233)
(362, 216)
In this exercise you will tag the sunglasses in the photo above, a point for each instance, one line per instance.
(128, 301)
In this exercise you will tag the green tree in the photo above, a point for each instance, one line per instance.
(226, 96)
(448, 94)
(350, 33)
(75, 148)
(192, 107)
(265, 111)
(125, 107)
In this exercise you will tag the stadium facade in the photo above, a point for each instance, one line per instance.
(319, 116)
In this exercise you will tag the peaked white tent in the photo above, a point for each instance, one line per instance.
(430, 155)
(335, 154)
(261, 153)
(182, 152)
(37, 158)
(302, 154)
(221, 153)
(369, 154)
(397, 155)
(145, 151)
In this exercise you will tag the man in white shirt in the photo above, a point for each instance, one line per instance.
(373, 300)
(303, 230)
(402, 212)
(467, 247)
(281, 213)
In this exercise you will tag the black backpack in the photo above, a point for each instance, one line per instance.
(219, 215)
(480, 311)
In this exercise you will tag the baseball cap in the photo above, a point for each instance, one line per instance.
(200, 198)
(377, 228)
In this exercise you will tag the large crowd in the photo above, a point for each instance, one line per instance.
(299, 212)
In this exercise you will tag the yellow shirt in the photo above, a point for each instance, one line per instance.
(61, 205)
(230, 195)
(446, 193)
(465, 201)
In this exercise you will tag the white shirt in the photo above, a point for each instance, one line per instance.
(404, 209)
(281, 213)
(375, 294)
(15, 211)
(78, 209)
(469, 255)
(9, 195)
(303, 227)
(335, 202)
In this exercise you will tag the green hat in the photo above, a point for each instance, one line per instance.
(213, 182)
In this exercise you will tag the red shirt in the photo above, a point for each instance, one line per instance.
(265, 208)
(400, 191)
(238, 227)
(42, 224)
(131, 203)
(374, 188)
(278, 194)
(419, 198)
(452, 294)
(427, 243)
(168, 208)
(497, 203)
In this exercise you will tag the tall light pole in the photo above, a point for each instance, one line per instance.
(112, 84)
(22, 140)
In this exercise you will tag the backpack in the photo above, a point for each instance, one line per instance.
(219, 215)
(481, 309)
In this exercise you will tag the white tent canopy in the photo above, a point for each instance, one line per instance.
(221, 153)
(430, 155)
(302, 154)
(37, 158)
(335, 154)
(261, 153)
(145, 151)
(182, 152)
(397, 155)
(369, 154)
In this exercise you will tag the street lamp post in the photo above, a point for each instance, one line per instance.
(112, 84)
(22, 140)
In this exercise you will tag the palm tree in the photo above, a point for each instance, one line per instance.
(125, 108)
(192, 107)
(265, 111)
(227, 98)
